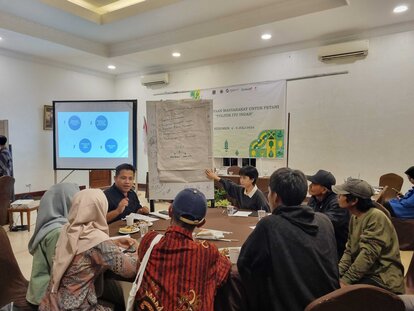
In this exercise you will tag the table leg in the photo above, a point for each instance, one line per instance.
(21, 218)
(10, 219)
(28, 220)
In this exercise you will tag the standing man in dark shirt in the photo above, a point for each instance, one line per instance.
(6, 163)
(122, 200)
(323, 200)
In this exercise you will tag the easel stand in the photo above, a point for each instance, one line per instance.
(56, 182)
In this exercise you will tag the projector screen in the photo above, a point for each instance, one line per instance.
(94, 134)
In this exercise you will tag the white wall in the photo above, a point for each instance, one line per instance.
(355, 124)
(372, 106)
(25, 87)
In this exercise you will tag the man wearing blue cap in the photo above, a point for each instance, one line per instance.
(182, 274)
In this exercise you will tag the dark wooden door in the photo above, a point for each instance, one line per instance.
(99, 178)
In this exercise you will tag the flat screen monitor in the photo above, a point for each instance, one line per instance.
(94, 134)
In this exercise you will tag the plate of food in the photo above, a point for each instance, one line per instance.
(129, 229)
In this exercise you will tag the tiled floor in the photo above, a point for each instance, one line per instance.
(19, 241)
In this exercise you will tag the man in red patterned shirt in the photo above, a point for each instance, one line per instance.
(182, 274)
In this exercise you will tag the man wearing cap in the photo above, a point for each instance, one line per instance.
(403, 206)
(290, 258)
(182, 274)
(372, 253)
(323, 200)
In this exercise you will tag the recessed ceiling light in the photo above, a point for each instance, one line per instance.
(176, 54)
(112, 67)
(400, 9)
(266, 36)
(1, 38)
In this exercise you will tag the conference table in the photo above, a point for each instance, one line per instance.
(231, 296)
(216, 219)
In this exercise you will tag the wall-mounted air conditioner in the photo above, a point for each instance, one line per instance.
(342, 50)
(155, 80)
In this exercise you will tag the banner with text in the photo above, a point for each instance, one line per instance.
(248, 120)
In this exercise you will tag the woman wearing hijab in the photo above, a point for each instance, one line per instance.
(83, 252)
(51, 217)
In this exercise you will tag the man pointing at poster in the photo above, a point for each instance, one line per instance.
(122, 200)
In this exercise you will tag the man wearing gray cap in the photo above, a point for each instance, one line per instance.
(372, 253)
(323, 200)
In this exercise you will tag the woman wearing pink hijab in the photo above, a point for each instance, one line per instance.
(83, 252)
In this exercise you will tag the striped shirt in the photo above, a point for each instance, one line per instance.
(6, 164)
(181, 274)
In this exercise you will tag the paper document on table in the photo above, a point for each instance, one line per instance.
(160, 215)
(144, 217)
(241, 214)
(210, 234)
(219, 231)
(119, 237)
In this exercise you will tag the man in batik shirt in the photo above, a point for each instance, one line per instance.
(182, 274)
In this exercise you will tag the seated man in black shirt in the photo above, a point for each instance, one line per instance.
(122, 200)
(323, 200)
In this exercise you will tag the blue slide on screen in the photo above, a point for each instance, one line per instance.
(90, 134)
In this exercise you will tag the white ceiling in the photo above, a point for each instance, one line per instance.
(203, 31)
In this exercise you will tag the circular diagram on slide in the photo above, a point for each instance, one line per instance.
(101, 122)
(85, 145)
(74, 123)
(111, 145)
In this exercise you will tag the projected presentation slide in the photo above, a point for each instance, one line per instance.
(90, 134)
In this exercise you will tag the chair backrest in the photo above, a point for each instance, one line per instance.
(382, 209)
(405, 233)
(234, 169)
(409, 278)
(13, 285)
(392, 181)
(380, 198)
(6, 194)
(358, 298)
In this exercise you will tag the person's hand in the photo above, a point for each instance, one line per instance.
(342, 284)
(211, 175)
(122, 204)
(125, 242)
(144, 210)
